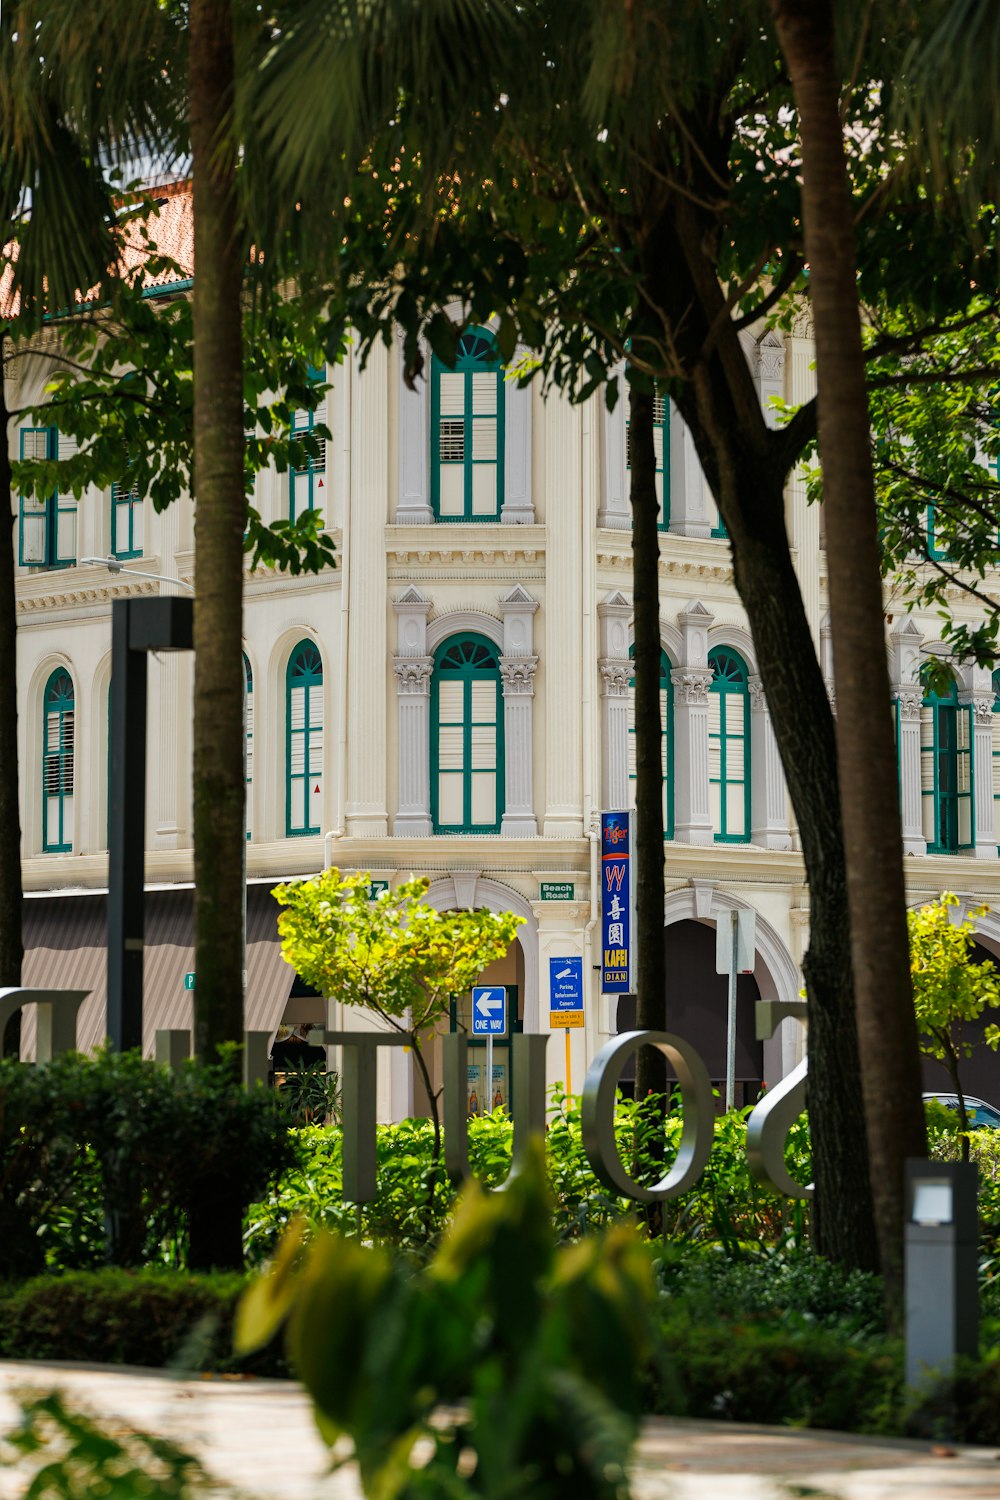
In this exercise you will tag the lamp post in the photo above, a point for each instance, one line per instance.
(116, 566)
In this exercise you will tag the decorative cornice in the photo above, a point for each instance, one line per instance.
(982, 710)
(617, 675)
(413, 674)
(72, 598)
(758, 702)
(517, 674)
(692, 686)
(909, 700)
(481, 556)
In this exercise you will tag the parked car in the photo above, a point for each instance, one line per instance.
(982, 1116)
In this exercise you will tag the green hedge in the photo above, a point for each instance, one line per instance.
(157, 1318)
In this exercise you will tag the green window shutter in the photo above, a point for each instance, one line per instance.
(666, 742)
(467, 770)
(307, 484)
(248, 731)
(58, 739)
(729, 747)
(661, 448)
(304, 741)
(467, 432)
(933, 550)
(947, 777)
(36, 518)
(126, 517)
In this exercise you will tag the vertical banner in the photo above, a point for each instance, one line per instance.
(617, 904)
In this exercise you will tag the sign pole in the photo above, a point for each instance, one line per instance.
(569, 1064)
(731, 1016)
(488, 1096)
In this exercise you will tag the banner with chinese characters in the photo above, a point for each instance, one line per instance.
(617, 903)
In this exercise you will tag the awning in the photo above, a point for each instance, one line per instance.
(65, 946)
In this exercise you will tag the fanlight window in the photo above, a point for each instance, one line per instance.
(466, 738)
(58, 736)
(304, 743)
(729, 747)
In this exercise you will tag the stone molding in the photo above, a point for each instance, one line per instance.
(692, 687)
(616, 675)
(517, 673)
(910, 701)
(413, 673)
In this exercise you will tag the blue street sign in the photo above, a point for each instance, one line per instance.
(566, 983)
(617, 903)
(489, 1010)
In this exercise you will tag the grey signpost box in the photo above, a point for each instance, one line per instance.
(942, 1266)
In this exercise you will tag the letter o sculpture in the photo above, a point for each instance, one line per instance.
(597, 1115)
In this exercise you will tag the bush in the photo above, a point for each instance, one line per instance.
(153, 1318)
(120, 1141)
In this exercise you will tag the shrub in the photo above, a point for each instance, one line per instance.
(113, 1316)
(120, 1141)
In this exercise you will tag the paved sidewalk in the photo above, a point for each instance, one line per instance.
(257, 1436)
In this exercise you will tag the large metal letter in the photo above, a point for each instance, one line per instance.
(528, 1101)
(597, 1115)
(769, 1123)
(55, 1013)
(360, 1054)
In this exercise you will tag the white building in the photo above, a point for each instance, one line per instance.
(454, 700)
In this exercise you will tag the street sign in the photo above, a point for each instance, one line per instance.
(566, 991)
(489, 1010)
(735, 937)
(375, 888)
(557, 890)
(189, 981)
(617, 904)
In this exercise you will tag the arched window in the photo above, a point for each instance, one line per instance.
(946, 772)
(729, 747)
(248, 731)
(307, 483)
(466, 737)
(304, 740)
(467, 432)
(661, 448)
(666, 743)
(57, 763)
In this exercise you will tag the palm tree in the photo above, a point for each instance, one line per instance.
(617, 122)
(866, 751)
(57, 221)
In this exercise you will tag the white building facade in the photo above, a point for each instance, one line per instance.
(454, 700)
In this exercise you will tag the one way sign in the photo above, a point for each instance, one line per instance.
(489, 1010)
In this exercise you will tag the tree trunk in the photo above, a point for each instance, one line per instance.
(219, 787)
(865, 749)
(11, 951)
(651, 1005)
(843, 1225)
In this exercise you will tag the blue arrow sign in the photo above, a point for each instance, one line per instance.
(566, 983)
(489, 1010)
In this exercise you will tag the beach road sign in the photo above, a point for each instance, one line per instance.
(566, 991)
(489, 1010)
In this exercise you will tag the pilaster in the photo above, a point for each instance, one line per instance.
(614, 510)
(614, 613)
(908, 701)
(365, 811)
(689, 515)
(413, 496)
(517, 675)
(691, 681)
(768, 794)
(518, 506)
(564, 610)
(982, 785)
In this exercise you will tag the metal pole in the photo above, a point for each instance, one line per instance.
(126, 838)
(731, 1018)
(488, 1101)
(569, 1064)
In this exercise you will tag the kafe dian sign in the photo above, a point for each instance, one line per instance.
(767, 1125)
(617, 903)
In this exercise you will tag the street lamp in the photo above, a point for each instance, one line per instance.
(116, 565)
